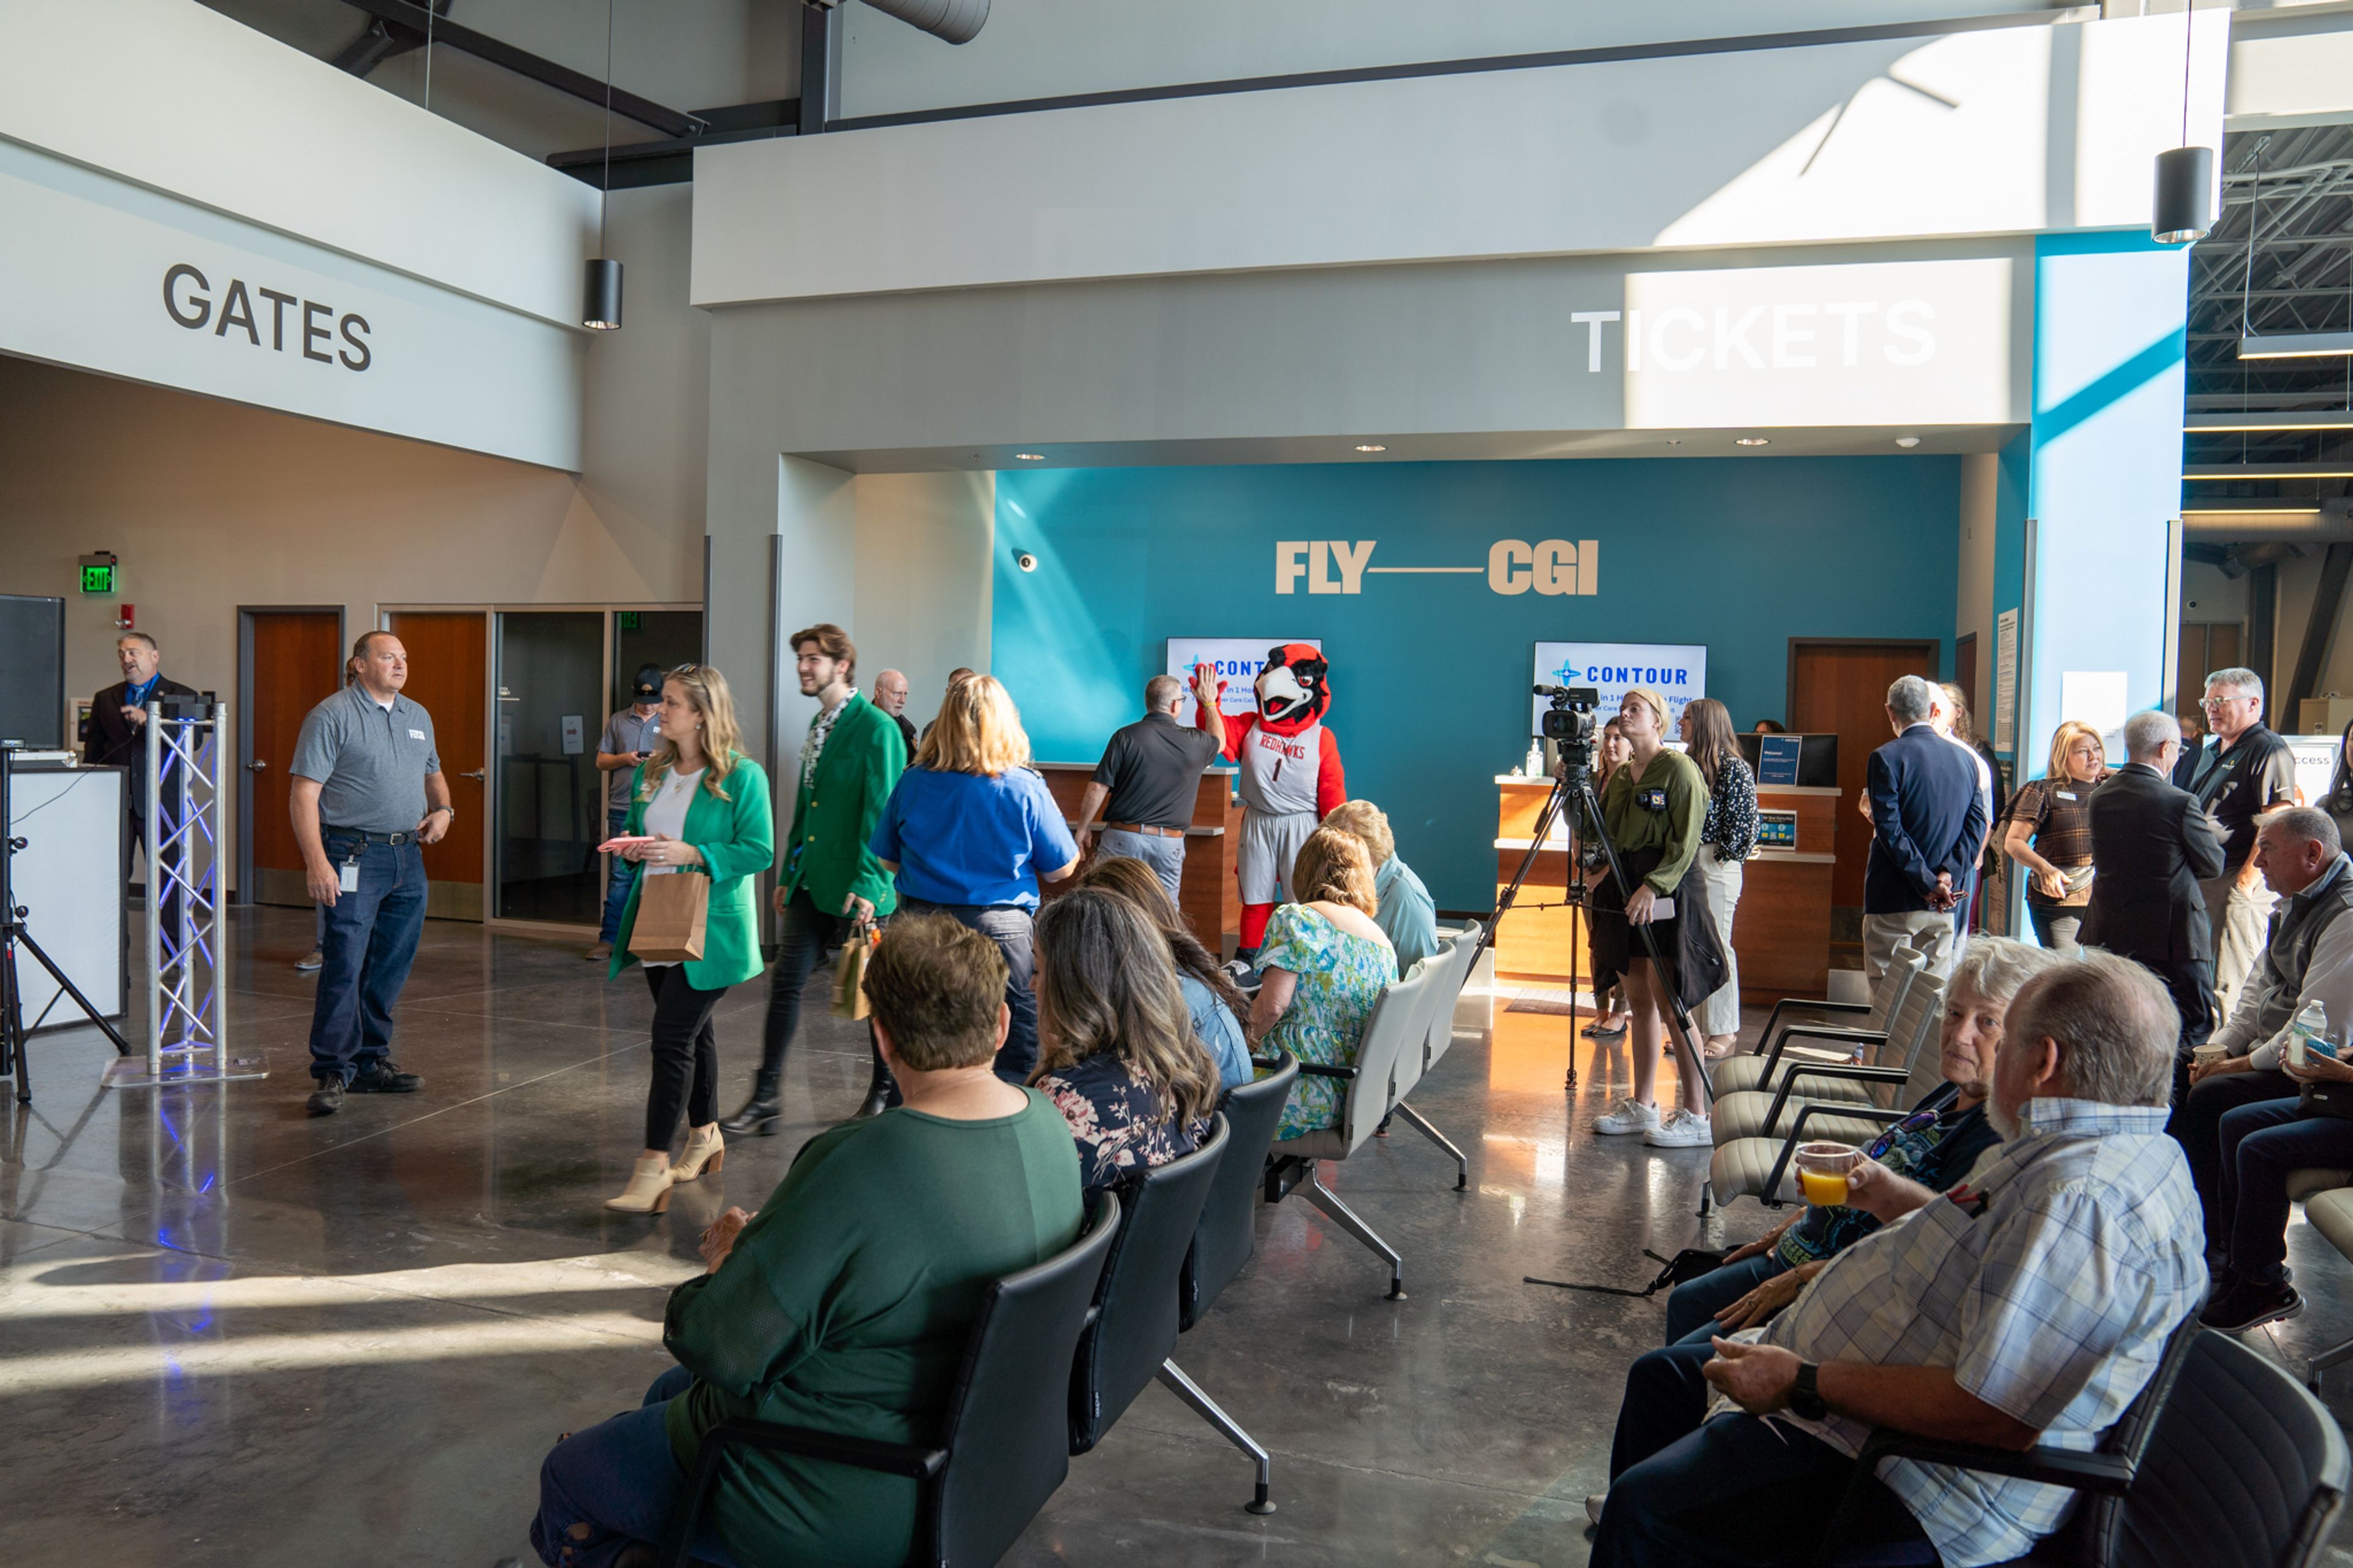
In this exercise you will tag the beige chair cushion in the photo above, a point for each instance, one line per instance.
(2305, 1183)
(1739, 1169)
(2331, 1214)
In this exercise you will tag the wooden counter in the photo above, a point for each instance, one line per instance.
(1781, 932)
(1210, 894)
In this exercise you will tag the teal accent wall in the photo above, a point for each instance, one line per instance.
(1431, 672)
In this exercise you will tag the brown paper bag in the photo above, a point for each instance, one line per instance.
(672, 911)
(849, 974)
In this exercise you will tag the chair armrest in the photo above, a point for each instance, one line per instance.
(1824, 1004)
(1269, 1063)
(1324, 1069)
(892, 1459)
(1857, 1039)
(2108, 1474)
(1855, 1071)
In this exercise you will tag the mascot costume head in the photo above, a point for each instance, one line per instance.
(1294, 689)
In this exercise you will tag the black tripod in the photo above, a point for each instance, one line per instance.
(1573, 787)
(13, 935)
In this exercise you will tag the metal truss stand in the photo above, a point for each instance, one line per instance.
(187, 937)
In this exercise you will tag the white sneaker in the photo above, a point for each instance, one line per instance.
(1682, 1130)
(1593, 1506)
(1631, 1115)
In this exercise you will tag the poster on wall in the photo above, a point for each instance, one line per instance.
(1677, 672)
(1237, 661)
(2005, 681)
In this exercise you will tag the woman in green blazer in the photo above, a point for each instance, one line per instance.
(700, 807)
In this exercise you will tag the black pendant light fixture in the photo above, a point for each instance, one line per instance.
(2183, 211)
(600, 285)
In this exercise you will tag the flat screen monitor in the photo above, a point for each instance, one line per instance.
(1810, 762)
(33, 652)
(1676, 671)
(1237, 661)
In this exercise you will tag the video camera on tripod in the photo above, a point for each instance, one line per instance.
(1571, 726)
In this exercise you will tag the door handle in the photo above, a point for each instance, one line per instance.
(476, 775)
(258, 766)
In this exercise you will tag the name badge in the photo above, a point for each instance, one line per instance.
(416, 734)
(1651, 799)
(348, 877)
(2064, 794)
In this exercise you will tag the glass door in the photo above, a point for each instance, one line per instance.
(551, 689)
(665, 638)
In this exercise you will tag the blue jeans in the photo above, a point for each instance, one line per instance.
(602, 1490)
(1692, 1308)
(1012, 928)
(369, 942)
(2260, 1144)
(623, 877)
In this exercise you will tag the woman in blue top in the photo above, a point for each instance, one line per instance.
(970, 830)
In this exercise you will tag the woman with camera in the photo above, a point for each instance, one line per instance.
(1655, 810)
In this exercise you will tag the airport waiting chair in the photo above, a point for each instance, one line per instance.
(2328, 1199)
(2225, 1463)
(1127, 1340)
(1761, 1068)
(1224, 1240)
(1004, 1447)
(1451, 969)
(1399, 1021)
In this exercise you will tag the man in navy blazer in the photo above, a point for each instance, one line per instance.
(1928, 826)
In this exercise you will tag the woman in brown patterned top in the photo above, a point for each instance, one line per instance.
(2050, 834)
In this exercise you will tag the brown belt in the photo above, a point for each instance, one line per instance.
(1139, 827)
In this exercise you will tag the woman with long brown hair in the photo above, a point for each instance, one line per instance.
(970, 831)
(1216, 1005)
(1117, 1054)
(1728, 837)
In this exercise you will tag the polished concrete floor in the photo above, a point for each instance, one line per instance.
(230, 1334)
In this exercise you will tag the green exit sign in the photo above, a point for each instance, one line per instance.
(629, 620)
(98, 579)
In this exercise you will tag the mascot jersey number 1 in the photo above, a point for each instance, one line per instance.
(1290, 769)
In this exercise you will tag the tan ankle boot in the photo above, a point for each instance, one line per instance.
(648, 1188)
(702, 1154)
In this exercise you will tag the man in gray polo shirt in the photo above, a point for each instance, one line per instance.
(368, 795)
(1149, 775)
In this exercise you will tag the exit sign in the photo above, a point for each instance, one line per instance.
(629, 620)
(97, 576)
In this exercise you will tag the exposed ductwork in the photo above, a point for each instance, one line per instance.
(957, 21)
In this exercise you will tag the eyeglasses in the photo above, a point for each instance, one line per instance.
(2212, 703)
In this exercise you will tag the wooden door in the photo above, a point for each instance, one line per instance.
(2206, 647)
(449, 674)
(1839, 685)
(295, 661)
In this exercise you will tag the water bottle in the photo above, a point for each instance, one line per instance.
(2307, 1034)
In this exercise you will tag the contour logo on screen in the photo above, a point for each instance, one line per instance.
(1555, 566)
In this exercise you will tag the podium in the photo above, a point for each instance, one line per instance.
(1210, 895)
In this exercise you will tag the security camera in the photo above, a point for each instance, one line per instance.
(1027, 562)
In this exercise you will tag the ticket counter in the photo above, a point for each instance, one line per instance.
(1210, 897)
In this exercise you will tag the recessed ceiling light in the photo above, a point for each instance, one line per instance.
(1031, 456)
(1907, 442)
(1674, 440)
(1370, 447)
(1751, 441)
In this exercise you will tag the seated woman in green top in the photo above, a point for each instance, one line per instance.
(1324, 963)
(1654, 809)
(846, 1302)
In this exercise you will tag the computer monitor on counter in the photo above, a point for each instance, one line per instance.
(1808, 762)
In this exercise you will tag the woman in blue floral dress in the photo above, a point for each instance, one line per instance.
(1118, 1057)
(1324, 966)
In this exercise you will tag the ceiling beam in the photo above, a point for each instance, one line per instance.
(404, 13)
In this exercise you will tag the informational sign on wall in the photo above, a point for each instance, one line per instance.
(2005, 681)
(1236, 660)
(1677, 672)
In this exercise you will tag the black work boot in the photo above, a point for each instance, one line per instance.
(385, 1077)
(327, 1098)
(762, 1114)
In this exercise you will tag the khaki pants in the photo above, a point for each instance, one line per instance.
(2242, 919)
(1720, 1013)
(1930, 931)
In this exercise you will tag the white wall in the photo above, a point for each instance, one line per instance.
(170, 95)
(1045, 48)
(925, 579)
(2014, 129)
(646, 427)
(2290, 67)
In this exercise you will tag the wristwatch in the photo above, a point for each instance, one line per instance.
(450, 809)
(1805, 1399)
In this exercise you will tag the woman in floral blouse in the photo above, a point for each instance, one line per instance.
(1728, 839)
(1117, 1054)
(1324, 963)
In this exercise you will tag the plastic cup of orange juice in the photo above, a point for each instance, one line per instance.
(1822, 1169)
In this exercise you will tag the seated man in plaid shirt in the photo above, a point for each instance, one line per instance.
(2028, 1305)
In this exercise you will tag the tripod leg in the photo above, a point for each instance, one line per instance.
(121, 1045)
(12, 1024)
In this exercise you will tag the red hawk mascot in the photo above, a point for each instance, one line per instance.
(1290, 771)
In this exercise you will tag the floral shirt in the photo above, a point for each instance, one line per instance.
(1731, 823)
(1341, 977)
(1115, 1119)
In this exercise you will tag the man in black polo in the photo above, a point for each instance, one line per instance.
(1150, 773)
(2248, 773)
(367, 795)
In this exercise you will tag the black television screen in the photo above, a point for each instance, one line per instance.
(33, 652)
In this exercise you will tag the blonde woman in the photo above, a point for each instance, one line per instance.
(970, 831)
(1324, 963)
(698, 807)
(2050, 834)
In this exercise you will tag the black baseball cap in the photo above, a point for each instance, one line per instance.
(648, 684)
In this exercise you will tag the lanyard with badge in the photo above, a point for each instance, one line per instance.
(347, 875)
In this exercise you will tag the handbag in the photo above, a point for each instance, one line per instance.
(672, 911)
(850, 971)
(2326, 1100)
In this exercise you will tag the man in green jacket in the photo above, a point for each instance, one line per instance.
(852, 757)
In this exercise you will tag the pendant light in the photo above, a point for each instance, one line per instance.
(2183, 211)
(600, 288)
